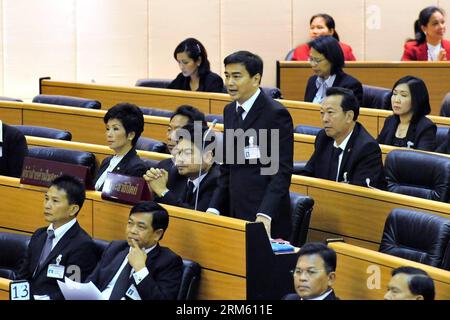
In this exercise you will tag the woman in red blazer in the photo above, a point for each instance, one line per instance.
(321, 24)
(429, 43)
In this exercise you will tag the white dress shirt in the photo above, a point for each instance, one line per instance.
(322, 296)
(343, 145)
(112, 164)
(247, 105)
(138, 276)
(61, 231)
(433, 52)
(322, 85)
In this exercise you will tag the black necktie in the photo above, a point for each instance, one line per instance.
(122, 284)
(239, 113)
(334, 163)
(189, 192)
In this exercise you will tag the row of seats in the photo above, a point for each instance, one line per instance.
(14, 246)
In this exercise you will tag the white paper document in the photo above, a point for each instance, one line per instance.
(79, 291)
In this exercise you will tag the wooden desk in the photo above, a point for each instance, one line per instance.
(358, 267)
(292, 77)
(356, 213)
(236, 258)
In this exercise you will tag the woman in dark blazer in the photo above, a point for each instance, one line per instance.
(429, 43)
(195, 73)
(327, 60)
(321, 24)
(408, 126)
(124, 125)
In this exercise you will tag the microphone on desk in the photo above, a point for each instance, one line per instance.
(213, 124)
(368, 184)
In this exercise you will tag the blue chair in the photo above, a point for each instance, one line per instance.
(309, 130)
(153, 83)
(67, 101)
(45, 132)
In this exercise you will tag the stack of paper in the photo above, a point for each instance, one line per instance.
(79, 291)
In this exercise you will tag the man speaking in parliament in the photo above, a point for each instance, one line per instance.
(258, 150)
(344, 151)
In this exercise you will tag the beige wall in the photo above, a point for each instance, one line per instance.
(118, 41)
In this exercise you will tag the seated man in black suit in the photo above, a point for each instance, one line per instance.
(344, 150)
(184, 115)
(62, 249)
(13, 149)
(314, 273)
(138, 268)
(409, 283)
(194, 167)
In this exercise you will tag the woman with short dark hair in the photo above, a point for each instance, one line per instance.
(124, 125)
(322, 24)
(195, 73)
(327, 60)
(408, 126)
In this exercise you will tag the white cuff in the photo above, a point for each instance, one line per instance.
(264, 215)
(140, 275)
(213, 210)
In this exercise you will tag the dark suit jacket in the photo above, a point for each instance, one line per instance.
(241, 186)
(178, 184)
(445, 145)
(130, 165)
(164, 267)
(422, 133)
(76, 248)
(211, 82)
(361, 159)
(294, 296)
(14, 149)
(414, 52)
(342, 80)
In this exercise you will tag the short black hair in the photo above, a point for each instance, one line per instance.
(74, 188)
(332, 51)
(419, 282)
(420, 99)
(196, 133)
(192, 113)
(329, 22)
(130, 116)
(327, 254)
(252, 62)
(195, 50)
(160, 216)
(424, 17)
(349, 101)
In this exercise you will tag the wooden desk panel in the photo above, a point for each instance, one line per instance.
(293, 77)
(111, 95)
(357, 212)
(10, 115)
(4, 289)
(352, 273)
(13, 207)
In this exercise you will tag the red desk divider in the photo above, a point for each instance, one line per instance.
(125, 189)
(40, 172)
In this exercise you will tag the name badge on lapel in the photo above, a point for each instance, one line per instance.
(251, 151)
(132, 293)
(56, 271)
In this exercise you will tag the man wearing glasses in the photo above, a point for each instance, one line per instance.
(314, 274)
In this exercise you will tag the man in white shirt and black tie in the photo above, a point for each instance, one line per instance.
(138, 268)
(344, 151)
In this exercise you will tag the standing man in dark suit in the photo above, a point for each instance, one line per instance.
(344, 151)
(194, 168)
(62, 249)
(315, 273)
(258, 150)
(13, 149)
(138, 268)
